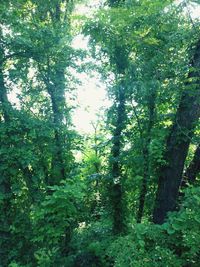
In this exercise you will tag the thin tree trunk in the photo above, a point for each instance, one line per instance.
(178, 143)
(6, 106)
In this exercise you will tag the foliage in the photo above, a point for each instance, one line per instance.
(54, 219)
(89, 243)
(183, 226)
(144, 246)
(175, 243)
(63, 193)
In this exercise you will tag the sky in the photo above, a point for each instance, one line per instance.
(91, 94)
(91, 100)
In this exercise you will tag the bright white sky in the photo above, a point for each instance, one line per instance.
(91, 94)
(91, 100)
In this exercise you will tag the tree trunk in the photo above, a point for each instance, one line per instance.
(145, 151)
(55, 84)
(56, 93)
(119, 59)
(116, 189)
(193, 169)
(178, 143)
(5, 182)
(6, 106)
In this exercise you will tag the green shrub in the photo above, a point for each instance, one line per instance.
(54, 220)
(173, 244)
(145, 246)
(184, 228)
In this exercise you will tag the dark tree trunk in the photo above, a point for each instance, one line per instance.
(58, 168)
(145, 151)
(55, 83)
(5, 181)
(119, 59)
(6, 106)
(178, 143)
(193, 169)
(116, 189)
(6, 110)
(55, 88)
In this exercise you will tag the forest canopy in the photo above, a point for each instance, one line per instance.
(127, 194)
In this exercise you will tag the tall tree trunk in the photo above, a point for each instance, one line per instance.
(5, 182)
(116, 189)
(145, 151)
(56, 93)
(55, 83)
(119, 59)
(178, 143)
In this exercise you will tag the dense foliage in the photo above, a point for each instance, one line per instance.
(128, 193)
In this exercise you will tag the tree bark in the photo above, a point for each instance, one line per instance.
(145, 152)
(178, 142)
(6, 110)
(5, 180)
(116, 189)
(6, 106)
(55, 84)
(55, 88)
(119, 59)
(193, 169)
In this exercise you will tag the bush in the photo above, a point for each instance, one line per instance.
(184, 228)
(145, 246)
(173, 244)
(54, 220)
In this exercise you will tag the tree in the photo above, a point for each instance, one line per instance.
(53, 46)
(116, 172)
(34, 150)
(178, 142)
(193, 169)
(118, 57)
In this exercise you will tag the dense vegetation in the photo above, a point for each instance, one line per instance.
(133, 197)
